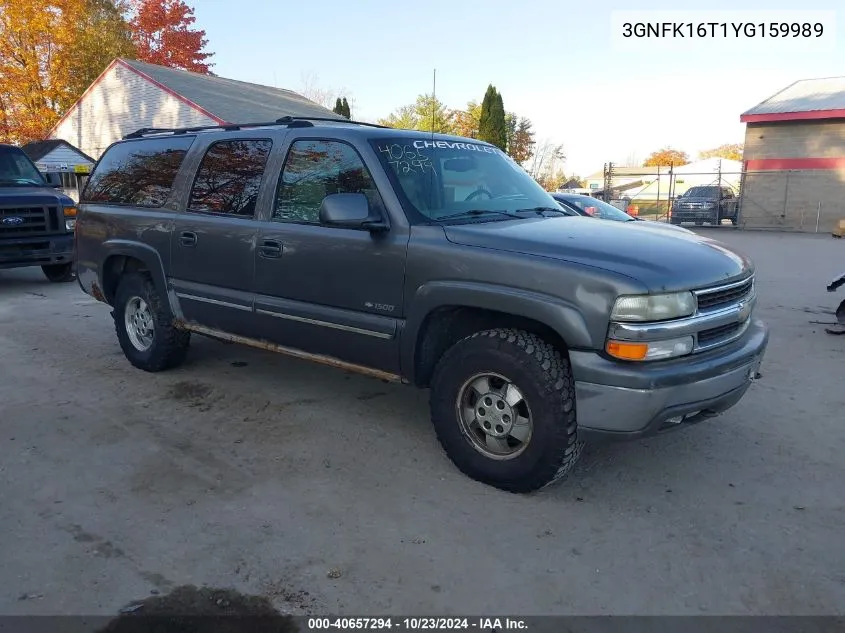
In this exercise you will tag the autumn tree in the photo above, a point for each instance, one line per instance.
(427, 113)
(665, 157)
(163, 34)
(50, 51)
(102, 35)
(466, 122)
(521, 142)
(729, 151)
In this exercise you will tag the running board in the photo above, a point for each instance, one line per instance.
(290, 351)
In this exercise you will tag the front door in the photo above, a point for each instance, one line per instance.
(327, 290)
(213, 241)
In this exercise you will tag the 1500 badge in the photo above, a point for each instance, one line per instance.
(384, 307)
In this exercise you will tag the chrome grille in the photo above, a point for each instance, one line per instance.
(25, 221)
(724, 296)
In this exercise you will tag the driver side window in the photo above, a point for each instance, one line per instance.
(315, 169)
(459, 185)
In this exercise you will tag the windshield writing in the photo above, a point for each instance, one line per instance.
(459, 179)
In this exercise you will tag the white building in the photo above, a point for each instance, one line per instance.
(62, 164)
(130, 95)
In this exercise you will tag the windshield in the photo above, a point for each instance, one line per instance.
(702, 192)
(598, 208)
(441, 179)
(17, 169)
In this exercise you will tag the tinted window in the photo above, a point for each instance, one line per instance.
(702, 192)
(229, 177)
(138, 173)
(17, 169)
(314, 170)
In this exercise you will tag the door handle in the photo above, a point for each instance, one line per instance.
(188, 238)
(270, 249)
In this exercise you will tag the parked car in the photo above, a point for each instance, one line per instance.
(705, 203)
(587, 205)
(425, 259)
(36, 221)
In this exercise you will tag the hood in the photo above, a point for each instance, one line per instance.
(662, 260)
(35, 196)
(663, 226)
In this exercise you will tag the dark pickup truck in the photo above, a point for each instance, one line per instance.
(707, 203)
(424, 259)
(36, 221)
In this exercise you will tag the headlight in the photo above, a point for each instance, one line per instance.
(651, 350)
(654, 307)
(70, 218)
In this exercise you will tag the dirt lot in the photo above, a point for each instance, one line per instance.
(328, 492)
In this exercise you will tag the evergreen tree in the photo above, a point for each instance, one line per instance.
(493, 127)
(338, 107)
(486, 104)
(346, 111)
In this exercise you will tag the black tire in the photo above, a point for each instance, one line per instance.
(169, 344)
(58, 273)
(734, 220)
(674, 221)
(543, 375)
(699, 222)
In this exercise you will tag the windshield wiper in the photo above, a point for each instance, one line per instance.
(474, 213)
(542, 210)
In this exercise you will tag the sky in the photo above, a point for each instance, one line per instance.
(563, 65)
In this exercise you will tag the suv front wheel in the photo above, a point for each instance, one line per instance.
(503, 408)
(145, 326)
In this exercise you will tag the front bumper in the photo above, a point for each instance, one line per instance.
(617, 400)
(694, 215)
(36, 251)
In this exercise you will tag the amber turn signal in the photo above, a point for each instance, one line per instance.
(70, 212)
(626, 350)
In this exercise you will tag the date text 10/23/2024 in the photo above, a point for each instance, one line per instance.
(481, 624)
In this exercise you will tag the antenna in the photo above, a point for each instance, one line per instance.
(433, 100)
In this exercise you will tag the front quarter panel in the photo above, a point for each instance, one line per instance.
(573, 300)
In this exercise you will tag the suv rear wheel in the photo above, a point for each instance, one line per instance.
(58, 273)
(503, 408)
(145, 326)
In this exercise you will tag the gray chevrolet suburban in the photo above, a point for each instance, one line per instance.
(424, 259)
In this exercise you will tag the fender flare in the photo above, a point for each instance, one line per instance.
(137, 250)
(563, 317)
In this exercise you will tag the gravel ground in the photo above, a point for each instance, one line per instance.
(325, 491)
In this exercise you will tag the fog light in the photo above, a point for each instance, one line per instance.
(70, 225)
(676, 420)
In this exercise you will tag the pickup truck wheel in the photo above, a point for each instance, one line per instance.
(503, 408)
(733, 220)
(145, 327)
(58, 273)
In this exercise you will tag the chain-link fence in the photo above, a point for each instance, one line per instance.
(650, 192)
(792, 200)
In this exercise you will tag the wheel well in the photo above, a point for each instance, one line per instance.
(446, 326)
(116, 266)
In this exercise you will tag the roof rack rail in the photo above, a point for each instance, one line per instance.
(289, 121)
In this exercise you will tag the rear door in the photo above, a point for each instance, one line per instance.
(213, 240)
(324, 289)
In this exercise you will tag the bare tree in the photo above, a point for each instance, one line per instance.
(310, 88)
(548, 158)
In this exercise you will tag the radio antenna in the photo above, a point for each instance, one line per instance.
(433, 101)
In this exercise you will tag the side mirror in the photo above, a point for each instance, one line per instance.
(350, 210)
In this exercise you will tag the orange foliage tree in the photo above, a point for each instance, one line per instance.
(163, 33)
(665, 157)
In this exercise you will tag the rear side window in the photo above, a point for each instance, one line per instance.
(137, 173)
(229, 177)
